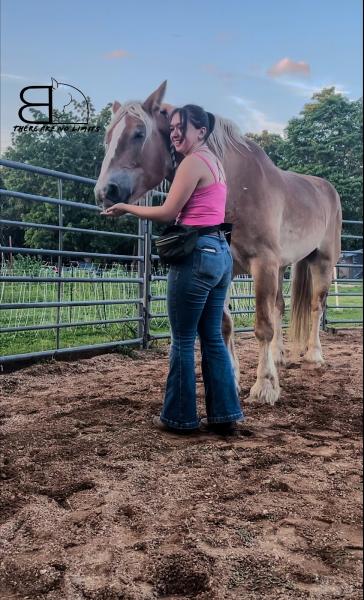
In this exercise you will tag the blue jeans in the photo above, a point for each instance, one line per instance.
(196, 293)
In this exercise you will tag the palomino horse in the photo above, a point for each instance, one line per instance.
(279, 218)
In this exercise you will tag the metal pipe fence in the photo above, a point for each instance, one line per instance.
(145, 285)
(61, 279)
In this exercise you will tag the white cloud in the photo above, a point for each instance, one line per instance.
(306, 90)
(298, 87)
(254, 120)
(12, 76)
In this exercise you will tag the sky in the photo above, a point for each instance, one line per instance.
(254, 61)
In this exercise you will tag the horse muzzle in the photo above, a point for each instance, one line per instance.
(117, 189)
(115, 193)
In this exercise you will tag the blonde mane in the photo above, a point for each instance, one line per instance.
(226, 133)
(134, 109)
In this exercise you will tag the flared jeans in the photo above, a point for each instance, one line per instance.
(196, 293)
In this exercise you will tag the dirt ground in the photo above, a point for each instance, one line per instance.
(96, 504)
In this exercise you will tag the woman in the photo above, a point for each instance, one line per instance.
(197, 287)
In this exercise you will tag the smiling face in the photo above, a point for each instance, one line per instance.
(185, 142)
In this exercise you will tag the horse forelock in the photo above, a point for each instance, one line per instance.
(226, 133)
(133, 109)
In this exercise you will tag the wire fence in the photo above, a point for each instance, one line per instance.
(57, 301)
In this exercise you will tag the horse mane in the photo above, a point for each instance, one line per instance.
(226, 133)
(134, 109)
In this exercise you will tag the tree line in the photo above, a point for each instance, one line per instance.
(324, 140)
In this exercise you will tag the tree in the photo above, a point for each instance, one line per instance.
(272, 144)
(78, 153)
(327, 141)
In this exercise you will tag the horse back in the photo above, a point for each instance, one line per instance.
(278, 213)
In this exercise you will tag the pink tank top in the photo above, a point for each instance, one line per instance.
(207, 204)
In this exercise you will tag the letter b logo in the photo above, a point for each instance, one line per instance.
(35, 104)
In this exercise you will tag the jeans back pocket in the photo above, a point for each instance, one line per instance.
(209, 262)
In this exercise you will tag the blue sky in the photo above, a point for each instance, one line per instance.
(255, 61)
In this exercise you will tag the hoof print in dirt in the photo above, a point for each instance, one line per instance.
(61, 495)
(182, 575)
(24, 577)
(107, 593)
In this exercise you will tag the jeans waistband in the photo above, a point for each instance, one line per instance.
(219, 234)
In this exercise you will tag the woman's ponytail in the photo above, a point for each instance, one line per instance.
(211, 120)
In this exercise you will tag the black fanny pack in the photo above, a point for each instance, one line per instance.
(178, 241)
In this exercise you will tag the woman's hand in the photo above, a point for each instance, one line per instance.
(117, 210)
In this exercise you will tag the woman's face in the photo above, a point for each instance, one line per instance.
(193, 138)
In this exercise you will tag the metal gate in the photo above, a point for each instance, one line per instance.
(144, 280)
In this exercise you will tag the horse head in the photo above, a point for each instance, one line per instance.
(137, 146)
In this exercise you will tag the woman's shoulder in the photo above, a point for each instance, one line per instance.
(192, 161)
(213, 162)
(200, 159)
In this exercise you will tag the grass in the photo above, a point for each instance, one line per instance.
(352, 305)
(39, 340)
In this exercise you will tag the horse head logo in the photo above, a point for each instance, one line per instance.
(63, 94)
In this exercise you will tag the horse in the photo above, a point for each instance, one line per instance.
(279, 218)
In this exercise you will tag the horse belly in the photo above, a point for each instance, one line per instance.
(310, 207)
(300, 242)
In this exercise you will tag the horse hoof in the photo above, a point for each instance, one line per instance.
(313, 359)
(312, 366)
(264, 392)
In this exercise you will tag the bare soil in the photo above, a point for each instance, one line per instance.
(96, 504)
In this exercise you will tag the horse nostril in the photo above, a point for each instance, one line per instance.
(112, 192)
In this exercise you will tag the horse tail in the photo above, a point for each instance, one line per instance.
(301, 295)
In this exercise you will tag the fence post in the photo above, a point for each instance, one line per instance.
(59, 261)
(141, 276)
(144, 272)
(147, 262)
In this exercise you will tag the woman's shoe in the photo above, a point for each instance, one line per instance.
(234, 428)
(164, 427)
(230, 428)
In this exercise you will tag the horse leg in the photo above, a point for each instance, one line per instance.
(277, 341)
(228, 335)
(321, 268)
(265, 273)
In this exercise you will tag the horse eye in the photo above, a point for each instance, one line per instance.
(139, 134)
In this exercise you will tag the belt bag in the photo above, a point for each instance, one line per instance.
(178, 241)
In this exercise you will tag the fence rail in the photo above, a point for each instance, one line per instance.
(145, 296)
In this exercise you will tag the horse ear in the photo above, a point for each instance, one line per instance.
(153, 102)
(115, 106)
